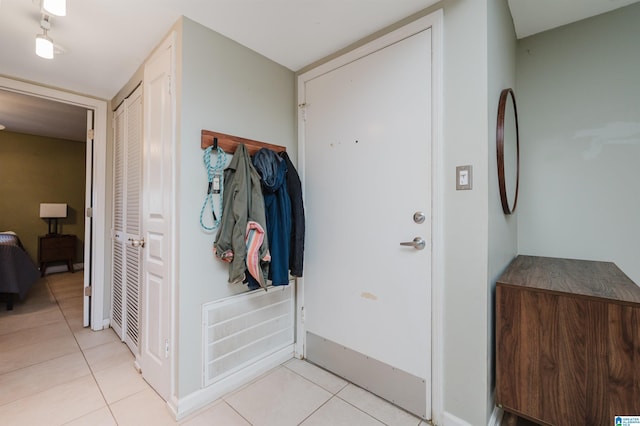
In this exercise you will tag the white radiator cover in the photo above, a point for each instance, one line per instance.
(243, 329)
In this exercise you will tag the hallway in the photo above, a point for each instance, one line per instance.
(55, 372)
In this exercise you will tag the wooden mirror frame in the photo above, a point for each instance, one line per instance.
(502, 104)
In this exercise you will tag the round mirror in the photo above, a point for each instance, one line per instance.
(508, 151)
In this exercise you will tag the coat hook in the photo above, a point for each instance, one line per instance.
(215, 143)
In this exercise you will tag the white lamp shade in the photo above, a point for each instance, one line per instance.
(44, 46)
(55, 7)
(53, 210)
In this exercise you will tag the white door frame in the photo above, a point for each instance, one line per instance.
(433, 21)
(99, 199)
(88, 221)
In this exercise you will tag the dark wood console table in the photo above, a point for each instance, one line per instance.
(56, 248)
(567, 341)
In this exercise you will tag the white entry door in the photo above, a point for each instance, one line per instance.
(157, 207)
(366, 162)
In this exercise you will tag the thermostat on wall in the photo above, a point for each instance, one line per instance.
(464, 177)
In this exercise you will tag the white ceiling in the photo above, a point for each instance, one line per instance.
(534, 16)
(105, 41)
(35, 116)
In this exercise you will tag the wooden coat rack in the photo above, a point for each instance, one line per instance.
(229, 143)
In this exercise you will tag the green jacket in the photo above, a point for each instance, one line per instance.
(242, 202)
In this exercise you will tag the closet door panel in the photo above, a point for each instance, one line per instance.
(117, 233)
(158, 218)
(127, 178)
(132, 218)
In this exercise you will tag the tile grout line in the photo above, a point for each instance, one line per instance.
(419, 420)
(236, 411)
(316, 410)
(93, 372)
(333, 395)
(317, 384)
(108, 406)
(24, 367)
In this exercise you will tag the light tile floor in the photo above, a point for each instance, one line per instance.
(55, 372)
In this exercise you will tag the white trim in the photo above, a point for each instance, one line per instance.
(496, 416)
(186, 405)
(449, 419)
(435, 22)
(171, 43)
(386, 40)
(55, 269)
(88, 222)
(300, 313)
(99, 179)
(298, 310)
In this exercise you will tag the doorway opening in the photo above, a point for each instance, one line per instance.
(95, 214)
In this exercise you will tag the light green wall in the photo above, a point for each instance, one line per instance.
(503, 231)
(465, 213)
(579, 105)
(36, 170)
(224, 87)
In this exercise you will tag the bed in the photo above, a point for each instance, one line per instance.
(17, 271)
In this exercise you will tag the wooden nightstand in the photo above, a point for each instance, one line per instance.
(56, 248)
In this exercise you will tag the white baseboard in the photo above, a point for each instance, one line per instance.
(53, 269)
(63, 268)
(449, 419)
(200, 398)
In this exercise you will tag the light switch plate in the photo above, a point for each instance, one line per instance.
(464, 178)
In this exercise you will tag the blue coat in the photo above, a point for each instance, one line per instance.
(273, 170)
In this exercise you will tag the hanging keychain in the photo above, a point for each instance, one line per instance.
(214, 177)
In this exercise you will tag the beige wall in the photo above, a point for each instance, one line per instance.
(36, 170)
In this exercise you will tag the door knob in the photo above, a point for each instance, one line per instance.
(417, 243)
(136, 243)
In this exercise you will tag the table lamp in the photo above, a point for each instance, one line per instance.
(53, 211)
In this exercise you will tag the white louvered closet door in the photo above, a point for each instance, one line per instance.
(117, 234)
(126, 220)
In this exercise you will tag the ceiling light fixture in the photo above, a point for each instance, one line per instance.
(55, 7)
(44, 44)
